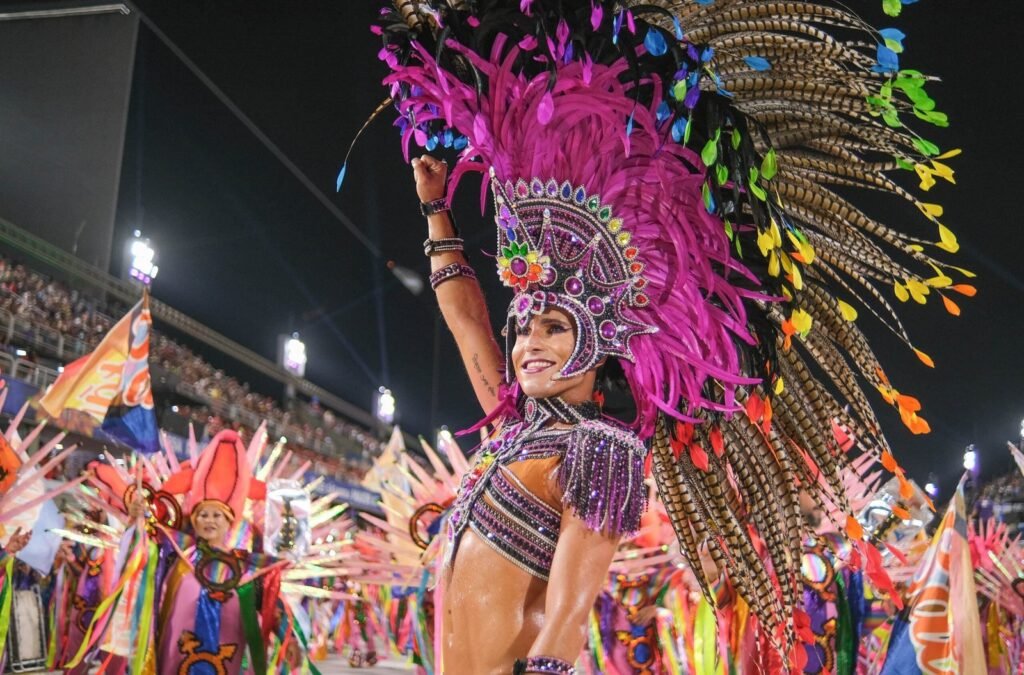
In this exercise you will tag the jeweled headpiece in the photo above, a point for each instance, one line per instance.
(560, 247)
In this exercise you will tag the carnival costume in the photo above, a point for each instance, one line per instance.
(998, 560)
(179, 601)
(666, 172)
(22, 494)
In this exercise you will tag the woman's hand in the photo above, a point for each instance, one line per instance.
(65, 554)
(430, 174)
(18, 541)
(137, 508)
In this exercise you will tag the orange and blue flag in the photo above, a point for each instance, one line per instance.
(939, 631)
(111, 386)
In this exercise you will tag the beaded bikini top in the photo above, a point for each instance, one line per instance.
(600, 476)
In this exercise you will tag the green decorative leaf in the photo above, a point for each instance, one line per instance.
(904, 164)
(892, 7)
(736, 138)
(689, 128)
(892, 118)
(728, 230)
(758, 191)
(909, 80)
(939, 119)
(705, 192)
(769, 165)
(926, 147)
(679, 90)
(721, 173)
(754, 188)
(710, 152)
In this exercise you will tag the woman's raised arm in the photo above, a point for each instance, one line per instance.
(458, 292)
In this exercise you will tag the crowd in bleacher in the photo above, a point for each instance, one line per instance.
(1003, 498)
(53, 305)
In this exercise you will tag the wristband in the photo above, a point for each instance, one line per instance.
(542, 664)
(432, 207)
(450, 272)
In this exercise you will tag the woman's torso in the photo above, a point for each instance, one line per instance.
(495, 594)
(195, 629)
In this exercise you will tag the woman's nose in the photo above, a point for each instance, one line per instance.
(531, 340)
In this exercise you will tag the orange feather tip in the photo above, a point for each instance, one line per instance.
(854, 529)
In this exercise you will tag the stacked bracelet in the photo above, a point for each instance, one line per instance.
(542, 664)
(434, 206)
(433, 247)
(450, 272)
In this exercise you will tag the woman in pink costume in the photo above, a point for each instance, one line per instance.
(214, 601)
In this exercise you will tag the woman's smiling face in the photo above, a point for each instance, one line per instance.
(212, 524)
(541, 350)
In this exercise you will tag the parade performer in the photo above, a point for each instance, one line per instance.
(22, 494)
(85, 576)
(182, 600)
(998, 560)
(194, 584)
(213, 605)
(662, 175)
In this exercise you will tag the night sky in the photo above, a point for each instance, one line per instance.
(246, 249)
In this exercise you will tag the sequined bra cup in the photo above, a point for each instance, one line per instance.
(600, 476)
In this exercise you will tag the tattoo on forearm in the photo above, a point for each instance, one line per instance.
(483, 378)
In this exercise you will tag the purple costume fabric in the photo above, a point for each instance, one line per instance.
(600, 476)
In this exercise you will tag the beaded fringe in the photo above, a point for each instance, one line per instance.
(602, 478)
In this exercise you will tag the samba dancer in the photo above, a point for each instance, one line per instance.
(664, 209)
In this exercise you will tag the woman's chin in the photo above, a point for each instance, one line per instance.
(546, 389)
(539, 389)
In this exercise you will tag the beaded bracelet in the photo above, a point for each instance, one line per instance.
(434, 206)
(542, 664)
(450, 272)
(432, 247)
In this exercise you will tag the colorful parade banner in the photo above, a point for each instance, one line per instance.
(926, 639)
(111, 386)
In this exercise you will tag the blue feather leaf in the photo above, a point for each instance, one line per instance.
(758, 63)
(655, 42)
(341, 177)
(663, 111)
(679, 129)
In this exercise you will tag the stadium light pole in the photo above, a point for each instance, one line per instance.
(971, 460)
(292, 356)
(141, 264)
(385, 406)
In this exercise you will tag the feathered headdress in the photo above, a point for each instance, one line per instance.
(669, 172)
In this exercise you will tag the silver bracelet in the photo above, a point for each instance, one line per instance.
(432, 247)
